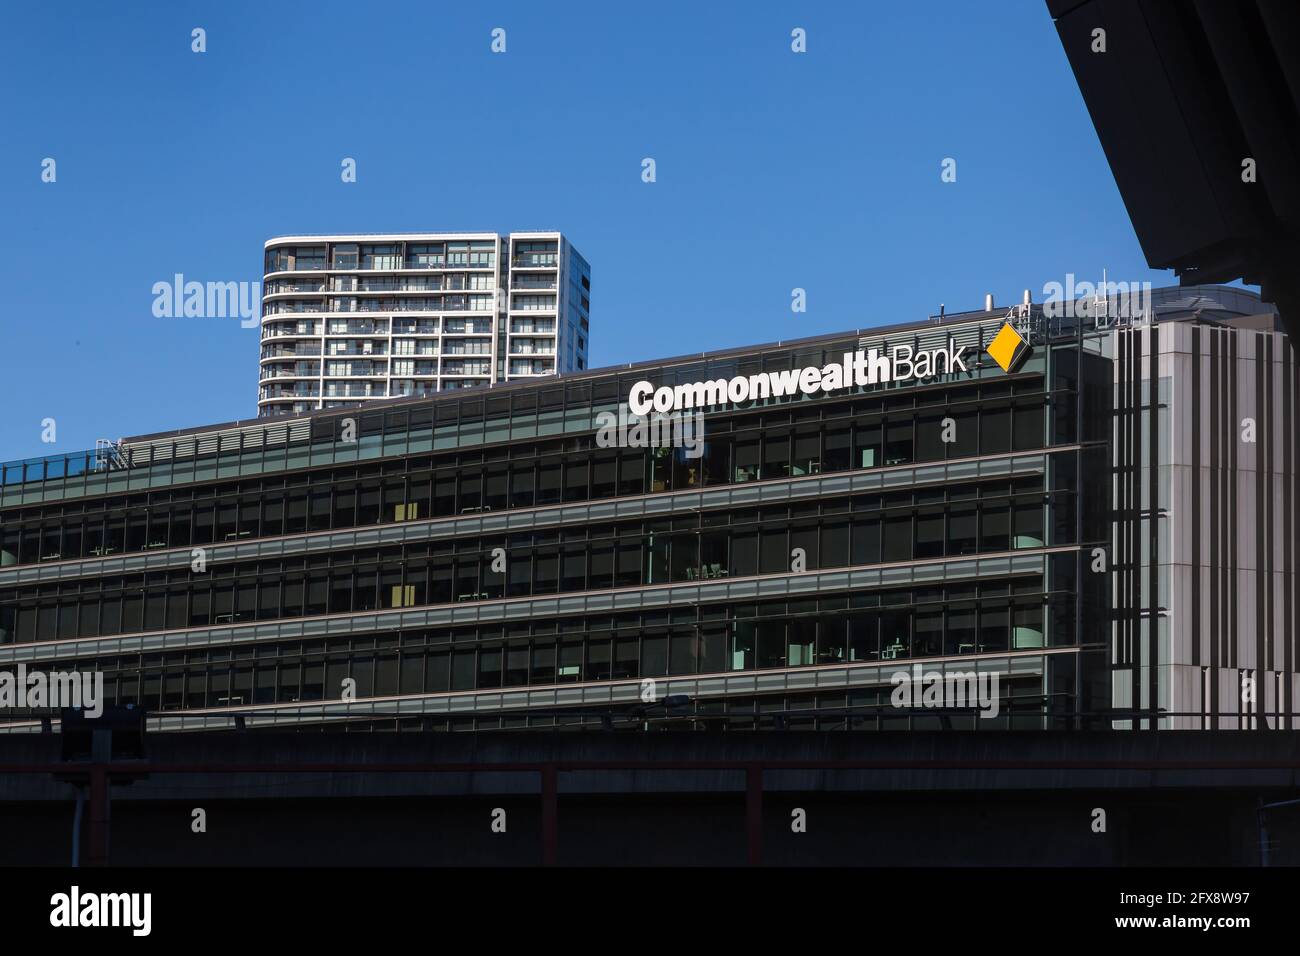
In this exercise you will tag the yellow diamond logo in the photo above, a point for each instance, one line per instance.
(1008, 348)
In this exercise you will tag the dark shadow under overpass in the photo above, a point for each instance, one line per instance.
(914, 798)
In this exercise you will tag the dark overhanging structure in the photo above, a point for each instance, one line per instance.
(927, 797)
(1182, 96)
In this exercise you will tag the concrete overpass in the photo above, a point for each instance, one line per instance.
(908, 798)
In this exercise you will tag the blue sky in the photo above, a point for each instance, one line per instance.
(775, 170)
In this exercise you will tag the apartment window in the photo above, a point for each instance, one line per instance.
(345, 257)
(536, 253)
(533, 303)
(380, 257)
(425, 255)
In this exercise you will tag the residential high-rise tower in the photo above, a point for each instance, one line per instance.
(348, 318)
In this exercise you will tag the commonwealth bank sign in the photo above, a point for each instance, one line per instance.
(1008, 349)
(863, 367)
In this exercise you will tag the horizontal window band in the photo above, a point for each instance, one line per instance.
(665, 504)
(678, 594)
(800, 680)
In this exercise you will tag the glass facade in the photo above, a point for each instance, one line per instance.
(436, 553)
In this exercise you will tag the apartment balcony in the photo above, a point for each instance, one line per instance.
(271, 332)
(399, 286)
(414, 389)
(309, 370)
(381, 264)
(302, 348)
(299, 392)
(267, 336)
(274, 308)
(270, 410)
(420, 369)
(353, 368)
(357, 328)
(452, 266)
(358, 390)
(377, 351)
(437, 304)
(296, 288)
(290, 264)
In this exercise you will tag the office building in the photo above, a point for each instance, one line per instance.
(1098, 509)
